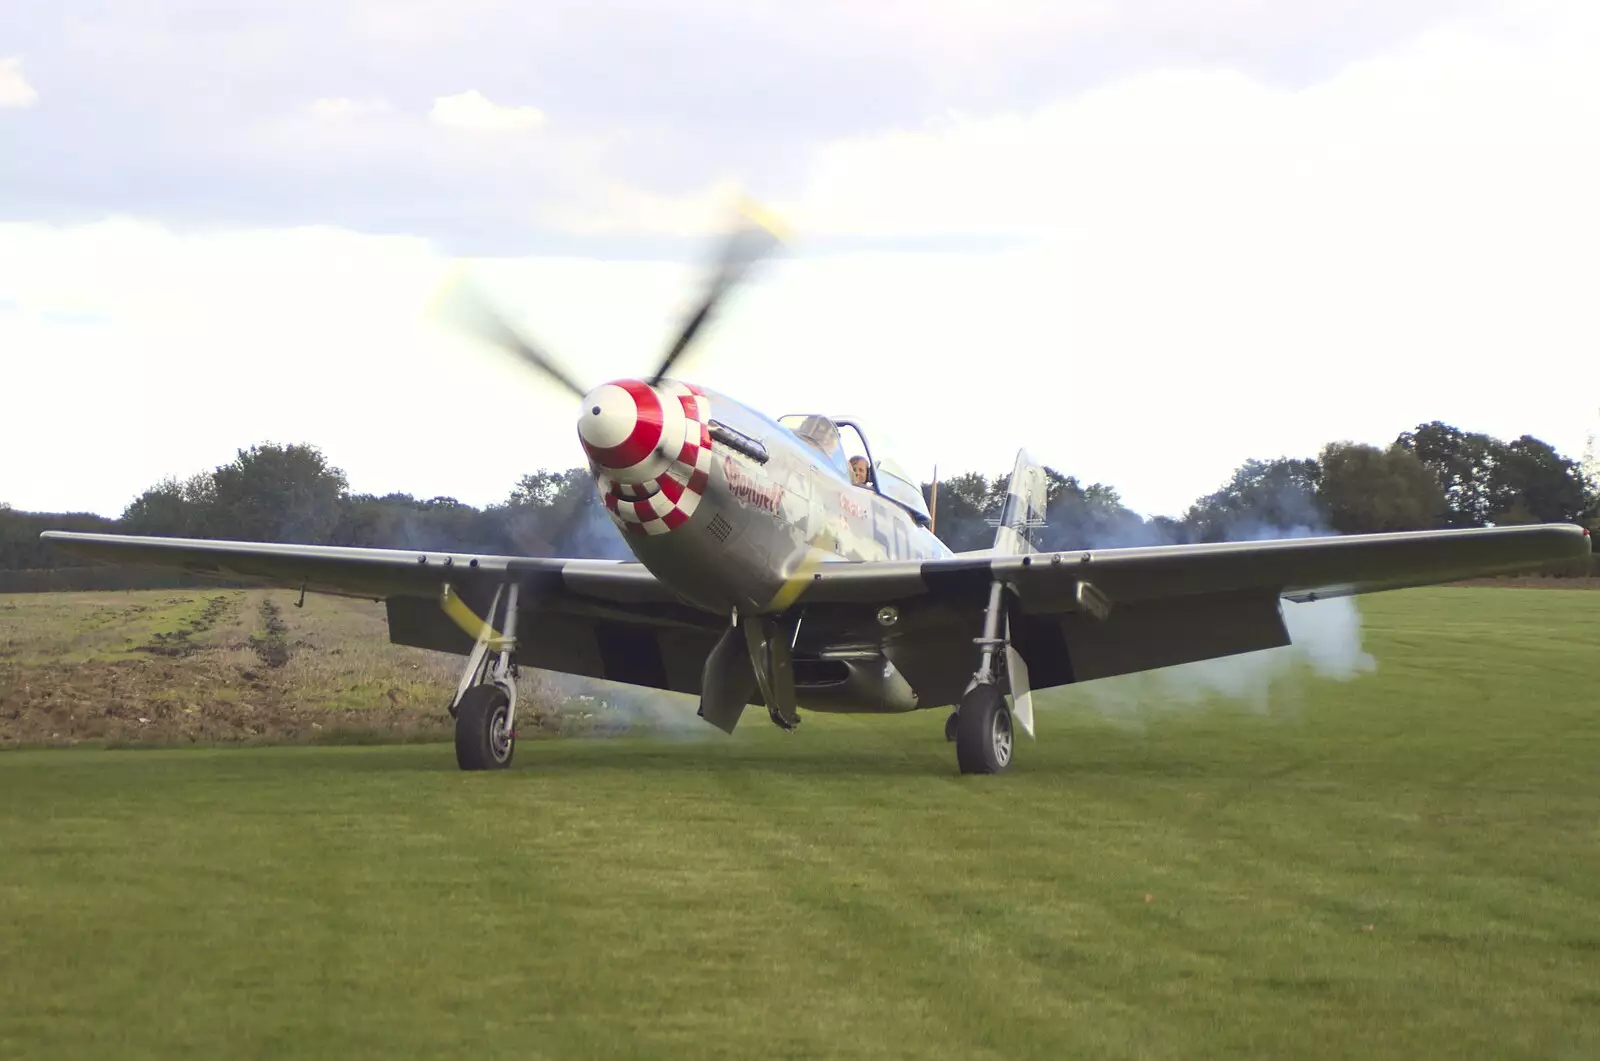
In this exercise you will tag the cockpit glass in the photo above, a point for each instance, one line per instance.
(888, 477)
(821, 433)
(896, 485)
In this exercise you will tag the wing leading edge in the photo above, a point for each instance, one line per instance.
(1075, 616)
(1299, 569)
(597, 618)
(373, 573)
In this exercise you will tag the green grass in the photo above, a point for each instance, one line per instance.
(177, 667)
(1404, 865)
(72, 628)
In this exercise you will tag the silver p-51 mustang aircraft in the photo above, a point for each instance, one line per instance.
(771, 570)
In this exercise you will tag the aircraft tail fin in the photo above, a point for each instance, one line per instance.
(1024, 508)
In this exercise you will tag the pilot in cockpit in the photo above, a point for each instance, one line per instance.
(860, 472)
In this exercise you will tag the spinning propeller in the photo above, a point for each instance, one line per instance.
(753, 239)
(621, 420)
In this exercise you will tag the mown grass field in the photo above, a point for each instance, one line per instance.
(1403, 865)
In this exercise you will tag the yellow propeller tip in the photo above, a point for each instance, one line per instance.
(760, 215)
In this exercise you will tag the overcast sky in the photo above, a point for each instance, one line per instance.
(1147, 239)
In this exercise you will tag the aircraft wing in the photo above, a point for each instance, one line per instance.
(1095, 613)
(1073, 616)
(596, 618)
(373, 573)
(1295, 568)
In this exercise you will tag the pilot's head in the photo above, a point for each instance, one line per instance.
(858, 471)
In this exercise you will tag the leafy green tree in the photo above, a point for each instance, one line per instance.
(174, 508)
(964, 503)
(1264, 499)
(21, 549)
(1164, 530)
(1464, 463)
(1366, 490)
(1077, 516)
(561, 513)
(1489, 481)
(1090, 516)
(1532, 483)
(400, 521)
(547, 489)
(278, 494)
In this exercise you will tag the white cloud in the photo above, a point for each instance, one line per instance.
(472, 110)
(188, 346)
(1454, 129)
(951, 359)
(1211, 269)
(15, 92)
(614, 208)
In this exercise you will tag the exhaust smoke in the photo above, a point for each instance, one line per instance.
(1327, 644)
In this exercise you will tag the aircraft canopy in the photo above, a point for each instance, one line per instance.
(822, 434)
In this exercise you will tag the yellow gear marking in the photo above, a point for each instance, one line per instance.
(465, 617)
(796, 583)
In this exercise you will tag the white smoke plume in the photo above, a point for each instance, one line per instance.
(1325, 634)
(589, 706)
(1326, 637)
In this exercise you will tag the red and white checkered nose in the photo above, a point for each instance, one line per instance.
(629, 432)
(651, 450)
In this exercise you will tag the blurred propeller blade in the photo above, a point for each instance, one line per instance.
(755, 238)
(463, 305)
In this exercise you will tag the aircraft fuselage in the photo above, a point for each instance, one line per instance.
(731, 508)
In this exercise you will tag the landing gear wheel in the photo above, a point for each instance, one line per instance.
(950, 725)
(983, 732)
(483, 741)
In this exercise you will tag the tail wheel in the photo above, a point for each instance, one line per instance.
(484, 740)
(984, 737)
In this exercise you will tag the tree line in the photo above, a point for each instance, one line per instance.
(1436, 476)
(1433, 476)
(293, 493)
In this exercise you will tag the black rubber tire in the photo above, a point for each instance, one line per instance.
(950, 726)
(984, 735)
(480, 710)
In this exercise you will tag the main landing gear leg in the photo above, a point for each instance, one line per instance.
(485, 704)
(981, 727)
(769, 647)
